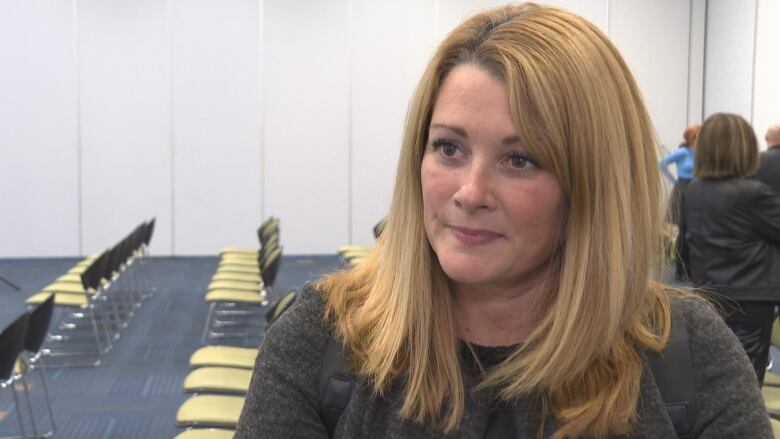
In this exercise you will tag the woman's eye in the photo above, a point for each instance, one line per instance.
(520, 160)
(445, 147)
(449, 149)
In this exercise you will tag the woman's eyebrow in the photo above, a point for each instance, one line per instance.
(457, 130)
(511, 140)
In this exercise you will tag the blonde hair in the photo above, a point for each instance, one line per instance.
(726, 147)
(578, 111)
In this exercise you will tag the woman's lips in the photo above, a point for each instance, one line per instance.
(473, 236)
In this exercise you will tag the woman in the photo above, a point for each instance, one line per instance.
(734, 233)
(512, 280)
(683, 158)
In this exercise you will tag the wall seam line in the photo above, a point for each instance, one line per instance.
(753, 73)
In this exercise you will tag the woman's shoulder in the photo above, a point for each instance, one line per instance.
(727, 393)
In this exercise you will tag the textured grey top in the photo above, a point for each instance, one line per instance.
(283, 398)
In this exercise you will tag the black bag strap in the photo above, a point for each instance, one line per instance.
(673, 372)
(335, 386)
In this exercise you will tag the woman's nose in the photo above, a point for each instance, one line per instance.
(475, 191)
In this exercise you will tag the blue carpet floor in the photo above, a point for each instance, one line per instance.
(136, 390)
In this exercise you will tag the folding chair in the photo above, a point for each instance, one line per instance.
(205, 433)
(32, 357)
(210, 411)
(240, 302)
(11, 345)
(224, 356)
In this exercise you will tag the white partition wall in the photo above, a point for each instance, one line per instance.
(766, 87)
(306, 121)
(728, 84)
(124, 119)
(395, 57)
(216, 124)
(653, 38)
(39, 173)
(214, 114)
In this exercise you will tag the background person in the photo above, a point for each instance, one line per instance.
(683, 159)
(769, 169)
(734, 233)
(513, 278)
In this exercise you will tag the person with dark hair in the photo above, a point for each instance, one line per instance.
(734, 233)
(513, 291)
(769, 170)
(683, 158)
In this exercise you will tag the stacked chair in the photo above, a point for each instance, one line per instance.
(21, 354)
(353, 254)
(238, 296)
(239, 290)
(98, 296)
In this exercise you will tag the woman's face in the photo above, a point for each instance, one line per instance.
(492, 215)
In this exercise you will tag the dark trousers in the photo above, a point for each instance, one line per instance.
(752, 322)
(677, 200)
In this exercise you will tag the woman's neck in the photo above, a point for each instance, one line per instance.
(496, 317)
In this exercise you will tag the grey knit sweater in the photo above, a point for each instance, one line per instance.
(283, 398)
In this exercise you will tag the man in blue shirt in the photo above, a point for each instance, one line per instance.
(683, 158)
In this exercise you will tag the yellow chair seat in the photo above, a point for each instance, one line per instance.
(218, 380)
(355, 254)
(240, 251)
(233, 285)
(771, 379)
(242, 258)
(775, 427)
(350, 248)
(206, 433)
(212, 410)
(238, 269)
(78, 269)
(241, 277)
(240, 262)
(69, 277)
(60, 299)
(224, 356)
(771, 397)
(234, 296)
(64, 287)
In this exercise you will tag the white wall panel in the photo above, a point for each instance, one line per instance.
(38, 137)
(391, 44)
(125, 120)
(646, 33)
(216, 114)
(698, 26)
(306, 122)
(452, 12)
(728, 69)
(766, 95)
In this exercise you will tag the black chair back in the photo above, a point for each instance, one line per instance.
(38, 325)
(278, 308)
(149, 232)
(11, 344)
(271, 267)
(379, 227)
(269, 233)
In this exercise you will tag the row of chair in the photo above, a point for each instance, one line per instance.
(241, 285)
(238, 295)
(353, 254)
(97, 297)
(20, 354)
